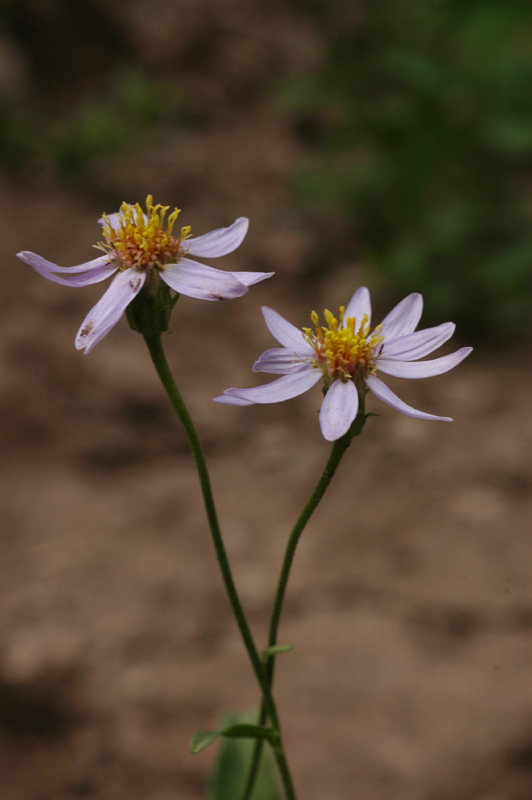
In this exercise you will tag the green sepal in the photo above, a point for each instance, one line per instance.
(203, 739)
(149, 313)
(276, 650)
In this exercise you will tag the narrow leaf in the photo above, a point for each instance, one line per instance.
(277, 649)
(203, 739)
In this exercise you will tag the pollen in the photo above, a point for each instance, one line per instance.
(344, 347)
(143, 240)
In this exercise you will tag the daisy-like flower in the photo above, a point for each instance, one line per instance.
(138, 244)
(346, 355)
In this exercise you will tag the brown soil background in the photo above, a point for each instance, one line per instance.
(410, 603)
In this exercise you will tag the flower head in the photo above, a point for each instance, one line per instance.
(141, 245)
(347, 355)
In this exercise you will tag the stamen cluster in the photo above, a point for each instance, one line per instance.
(344, 348)
(143, 241)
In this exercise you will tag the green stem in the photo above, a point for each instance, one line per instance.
(153, 341)
(339, 448)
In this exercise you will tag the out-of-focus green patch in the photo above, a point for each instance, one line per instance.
(232, 765)
(103, 127)
(129, 109)
(17, 135)
(421, 119)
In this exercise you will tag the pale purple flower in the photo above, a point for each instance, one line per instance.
(135, 244)
(347, 357)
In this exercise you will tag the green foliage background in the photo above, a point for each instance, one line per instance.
(420, 125)
(67, 144)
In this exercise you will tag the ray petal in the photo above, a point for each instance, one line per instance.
(423, 369)
(107, 311)
(283, 388)
(219, 242)
(404, 318)
(204, 283)
(338, 410)
(385, 394)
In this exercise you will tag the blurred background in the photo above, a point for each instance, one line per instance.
(383, 144)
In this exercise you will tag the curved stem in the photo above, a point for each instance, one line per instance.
(153, 342)
(339, 448)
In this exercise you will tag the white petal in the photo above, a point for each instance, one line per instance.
(82, 275)
(359, 305)
(385, 394)
(338, 410)
(283, 388)
(404, 317)
(205, 283)
(280, 360)
(282, 330)
(419, 344)
(107, 311)
(423, 369)
(219, 242)
(249, 278)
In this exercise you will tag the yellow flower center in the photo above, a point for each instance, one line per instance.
(344, 349)
(143, 240)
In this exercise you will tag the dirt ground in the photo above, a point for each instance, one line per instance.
(410, 603)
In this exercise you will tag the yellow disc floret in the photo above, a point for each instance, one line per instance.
(143, 240)
(344, 349)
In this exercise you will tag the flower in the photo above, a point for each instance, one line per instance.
(347, 356)
(137, 244)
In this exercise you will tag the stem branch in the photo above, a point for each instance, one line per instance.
(339, 448)
(153, 342)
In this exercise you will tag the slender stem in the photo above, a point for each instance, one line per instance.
(339, 448)
(153, 341)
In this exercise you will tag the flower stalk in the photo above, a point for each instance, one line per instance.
(338, 451)
(155, 348)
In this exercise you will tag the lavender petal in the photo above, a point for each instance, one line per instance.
(231, 400)
(283, 388)
(219, 242)
(114, 219)
(249, 278)
(204, 283)
(338, 410)
(282, 330)
(281, 360)
(385, 394)
(359, 306)
(403, 319)
(92, 271)
(419, 344)
(107, 311)
(423, 369)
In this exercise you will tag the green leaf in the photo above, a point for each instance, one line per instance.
(203, 739)
(230, 771)
(276, 650)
